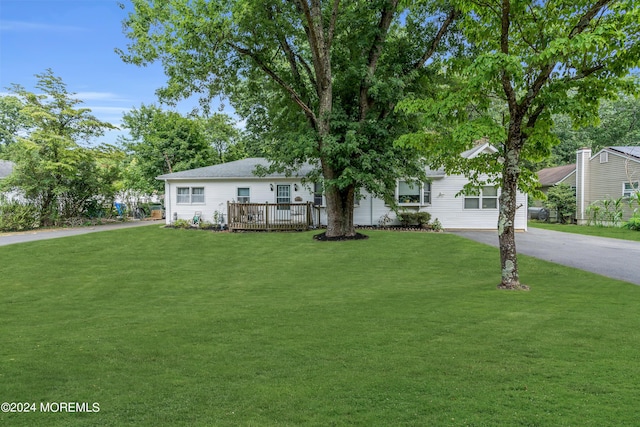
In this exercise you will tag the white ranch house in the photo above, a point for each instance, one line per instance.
(210, 189)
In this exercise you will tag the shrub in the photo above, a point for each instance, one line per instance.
(633, 224)
(414, 218)
(17, 216)
(605, 212)
(423, 218)
(181, 223)
(562, 199)
(437, 225)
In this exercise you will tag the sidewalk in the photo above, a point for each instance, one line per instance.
(54, 233)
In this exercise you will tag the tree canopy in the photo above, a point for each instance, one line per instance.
(53, 169)
(164, 142)
(318, 79)
(533, 59)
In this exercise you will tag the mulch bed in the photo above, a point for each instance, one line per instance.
(323, 237)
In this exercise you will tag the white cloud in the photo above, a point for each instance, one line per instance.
(98, 96)
(35, 26)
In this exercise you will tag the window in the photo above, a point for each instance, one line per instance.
(183, 195)
(317, 194)
(190, 195)
(244, 195)
(283, 195)
(604, 157)
(629, 188)
(414, 193)
(486, 198)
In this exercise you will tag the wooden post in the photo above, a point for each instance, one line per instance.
(266, 215)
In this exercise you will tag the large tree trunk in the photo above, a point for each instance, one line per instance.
(340, 203)
(506, 220)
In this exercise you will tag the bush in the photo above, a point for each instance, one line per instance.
(16, 216)
(562, 199)
(181, 223)
(633, 224)
(414, 218)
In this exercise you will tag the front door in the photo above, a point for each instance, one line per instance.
(283, 196)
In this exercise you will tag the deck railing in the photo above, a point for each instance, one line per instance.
(271, 216)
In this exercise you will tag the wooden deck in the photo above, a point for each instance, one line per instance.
(272, 216)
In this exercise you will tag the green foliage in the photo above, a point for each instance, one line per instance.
(607, 212)
(562, 199)
(313, 83)
(414, 218)
(161, 142)
(12, 120)
(436, 225)
(633, 223)
(17, 216)
(530, 60)
(52, 169)
(181, 223)
(618, 124)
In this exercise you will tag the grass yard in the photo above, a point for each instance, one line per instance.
(166, 327)
(613, 232)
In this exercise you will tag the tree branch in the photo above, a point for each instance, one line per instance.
(545, 72)
(332, 23)
(504, 48)
(375, 51)
(294, 95)
(451, 17)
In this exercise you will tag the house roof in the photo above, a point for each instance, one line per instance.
(6, 167)
(552, 176)
(244, 168)
(481, 147)
(632, 152)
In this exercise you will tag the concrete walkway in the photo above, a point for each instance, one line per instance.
(32, 235)
(615, 258)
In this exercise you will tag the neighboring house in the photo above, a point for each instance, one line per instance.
(208, 190)
(6, 167)
(550, 177)
(611, 173)
(560, 174)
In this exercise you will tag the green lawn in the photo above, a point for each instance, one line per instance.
(185, 328)
(613, 232)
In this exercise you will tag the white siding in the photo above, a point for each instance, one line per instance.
(218, 192)
(445, 206)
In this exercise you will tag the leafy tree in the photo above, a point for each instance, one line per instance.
(317, 80)
(562, 199)
(220, 131)
(535, 59)
(50, 162)
(12, 121)
(164, 142)
(618, 124)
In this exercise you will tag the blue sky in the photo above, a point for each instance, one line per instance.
(76, 39)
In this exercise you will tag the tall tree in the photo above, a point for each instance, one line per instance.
(535, 58)
(47, 151)
(12, 120)
(618, 124)
(325, 74)
(164, 142)
(220, 132)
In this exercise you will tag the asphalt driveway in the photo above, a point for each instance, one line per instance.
(30, 236)
(615, 258)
